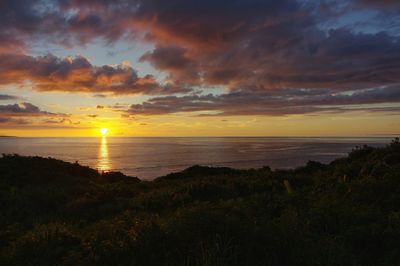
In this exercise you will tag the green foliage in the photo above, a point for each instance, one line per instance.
(344, 213)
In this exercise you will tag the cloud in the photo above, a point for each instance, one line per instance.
(13, 121)
(58, 121)
(100, 95)
(116, 106)
(379, 3)
(68, 23)
(282, 102)
(289, 54)
(77, 74)
(173, 60)
(267, 52)
(256, 44)
(4, 97)
(22, 109)
(245, 44)
(25, 113)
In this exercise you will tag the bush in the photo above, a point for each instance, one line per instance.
(343, 213)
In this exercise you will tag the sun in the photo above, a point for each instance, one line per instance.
(104, 131)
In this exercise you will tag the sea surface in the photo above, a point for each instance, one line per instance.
(148, 158)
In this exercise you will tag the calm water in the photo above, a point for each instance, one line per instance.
(148, 158)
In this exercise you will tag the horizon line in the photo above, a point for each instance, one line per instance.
(218, 136)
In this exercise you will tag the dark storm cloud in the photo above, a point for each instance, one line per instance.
(380, 3)
(262, 51)
(21, 114)
(22, 109)
(59, 121)
(77, 74)
(5, 97)
(13, 121)
(173, 60)
(282, 102)
(262, 44)
(57, 21)
(171, 57)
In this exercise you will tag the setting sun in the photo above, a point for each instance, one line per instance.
(103, 131)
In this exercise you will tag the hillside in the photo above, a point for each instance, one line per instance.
(343, 213)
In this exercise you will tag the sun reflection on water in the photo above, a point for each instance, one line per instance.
(103, 163)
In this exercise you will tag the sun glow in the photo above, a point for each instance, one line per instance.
(104, 131)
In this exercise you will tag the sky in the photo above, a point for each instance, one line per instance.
(200, 68)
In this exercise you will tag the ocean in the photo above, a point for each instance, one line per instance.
(148, 158)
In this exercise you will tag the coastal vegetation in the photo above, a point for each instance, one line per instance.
(343, 213)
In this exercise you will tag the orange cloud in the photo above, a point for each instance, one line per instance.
(77, 74)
